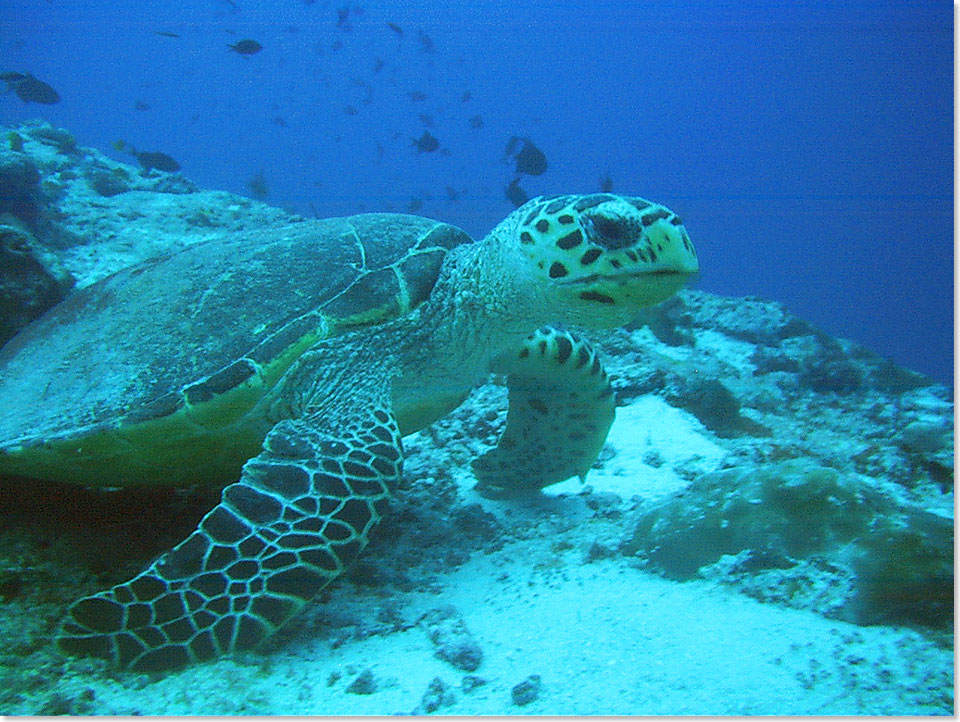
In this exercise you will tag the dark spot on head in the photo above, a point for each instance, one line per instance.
(557, 203)
(583, 355)
(543, 347)
(526, 237)
(558, 270)
(570, 240)
(639, 204)
(591, 201)
(566, 219)
(599, 297)
(595, 367)
(543, 225)
(590, 256)
(676, 221)
(564, 349)
(632, 256)
(524, 352)
(533, 214)
(650, 218)
(615, 263)
(538, 405)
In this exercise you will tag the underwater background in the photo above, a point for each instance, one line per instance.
(808, 146)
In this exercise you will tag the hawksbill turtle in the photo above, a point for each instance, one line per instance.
(286, 365)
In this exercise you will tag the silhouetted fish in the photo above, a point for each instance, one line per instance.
(531, 160)
(165, 34)
(149, 159)
(342, 15)
(258, 187)
(427, 120)
(426, 143)
(140, 105)
(426, 44)
(417, 96)
(515, 194)
(606, 184)
(396, 28)
(155, 159)
(476, 122)
(246, 47)
(465, 97)
(29, 89)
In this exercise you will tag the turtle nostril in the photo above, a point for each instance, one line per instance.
(610, 233)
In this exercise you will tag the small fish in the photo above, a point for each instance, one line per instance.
(466, 96)
(426, 44)
(476, 122)
(452, 193)
(149, 159)
(350, 110)
(427, 120)
(426, 143)
(414, 205)
(29, 89)
(155, 159)
(606, 184)
(246, 47)
(417, 96)
(165, 34)
(530, 159)
(140, 105)
(279, 121)
(396, 28)
(378, 65)
(515, 194)
(342, 15)
(257, 186)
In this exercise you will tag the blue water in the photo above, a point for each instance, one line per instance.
(808, 145)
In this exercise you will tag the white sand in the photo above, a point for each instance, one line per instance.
(605, 637)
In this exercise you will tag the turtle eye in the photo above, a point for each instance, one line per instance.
(610, 233)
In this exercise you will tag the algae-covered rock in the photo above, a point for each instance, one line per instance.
(899, 557)
(29, 283)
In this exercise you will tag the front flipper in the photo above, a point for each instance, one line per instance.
(561, 408)
(300, 513)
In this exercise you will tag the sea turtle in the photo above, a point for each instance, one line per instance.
(291, 362)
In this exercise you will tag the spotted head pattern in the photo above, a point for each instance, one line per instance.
(606, 249)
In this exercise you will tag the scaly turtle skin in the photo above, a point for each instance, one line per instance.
(294, 361)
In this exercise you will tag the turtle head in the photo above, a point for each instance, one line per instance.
(599, 258)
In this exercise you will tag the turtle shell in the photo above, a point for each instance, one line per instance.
(182, 346)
